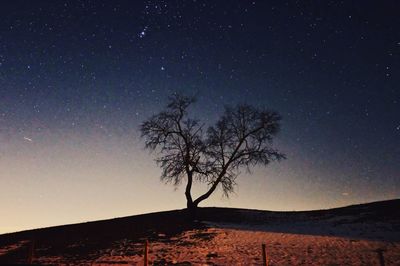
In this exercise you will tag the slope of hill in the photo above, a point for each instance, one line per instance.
(357, 234)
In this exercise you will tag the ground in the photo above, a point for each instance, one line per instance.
(357, 235)
(220, 246)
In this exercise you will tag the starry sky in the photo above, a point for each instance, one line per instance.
(78, 77)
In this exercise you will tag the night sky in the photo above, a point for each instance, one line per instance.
(78, 77)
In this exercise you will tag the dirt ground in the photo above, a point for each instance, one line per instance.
(221, 246)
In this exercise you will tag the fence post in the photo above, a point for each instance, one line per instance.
(264, 255)
(31, 248)
(146, 252)
(380, 256)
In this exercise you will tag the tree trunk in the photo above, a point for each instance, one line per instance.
(191, 211)
(191, 206)
(211, 190)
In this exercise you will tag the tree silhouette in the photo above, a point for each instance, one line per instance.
(241, 138)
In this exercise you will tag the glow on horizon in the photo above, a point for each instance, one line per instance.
(60, 179)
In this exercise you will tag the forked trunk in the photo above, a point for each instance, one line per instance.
(191, 211)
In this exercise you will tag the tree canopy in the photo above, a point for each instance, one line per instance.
(241, 138)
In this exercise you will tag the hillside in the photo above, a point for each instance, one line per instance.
(221, 236)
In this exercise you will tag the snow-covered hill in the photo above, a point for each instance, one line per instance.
(355, 235)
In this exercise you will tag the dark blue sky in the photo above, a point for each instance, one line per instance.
(331, 68)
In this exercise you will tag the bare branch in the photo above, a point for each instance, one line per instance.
(242, 137)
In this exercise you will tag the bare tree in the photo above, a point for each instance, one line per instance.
(241, 138)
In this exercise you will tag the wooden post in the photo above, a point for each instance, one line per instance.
(380, 256)
(146, 253)
(31, 248)
(264, 255)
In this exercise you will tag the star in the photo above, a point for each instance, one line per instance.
(142, 34)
